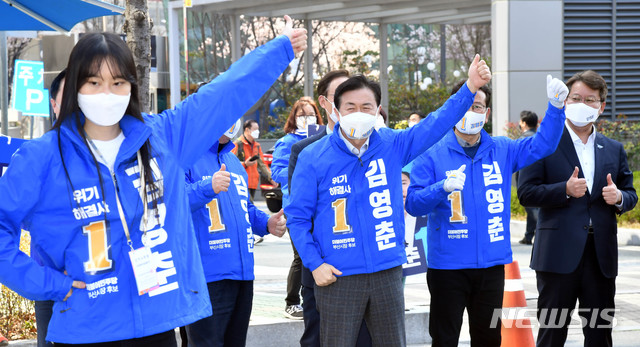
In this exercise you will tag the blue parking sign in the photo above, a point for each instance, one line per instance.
(29, 95)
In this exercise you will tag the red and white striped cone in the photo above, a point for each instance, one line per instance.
(516, 329)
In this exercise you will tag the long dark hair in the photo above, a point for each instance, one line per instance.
(88, 55)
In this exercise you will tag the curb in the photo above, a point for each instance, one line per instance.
(288, 333)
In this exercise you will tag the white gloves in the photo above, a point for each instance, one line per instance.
(455, 179)
(557, 91)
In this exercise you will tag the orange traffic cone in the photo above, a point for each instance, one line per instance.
(516, 327)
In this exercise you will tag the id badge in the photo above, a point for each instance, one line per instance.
(144, 270)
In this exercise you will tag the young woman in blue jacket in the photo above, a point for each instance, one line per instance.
(103, 196)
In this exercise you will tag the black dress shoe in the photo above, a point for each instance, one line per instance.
(525, 241)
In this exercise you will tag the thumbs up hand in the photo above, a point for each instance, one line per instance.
(455, 179)
(610, 192)
(479, 74)
(277, 224)
(221, 180)
(576, 187)
(298, 37)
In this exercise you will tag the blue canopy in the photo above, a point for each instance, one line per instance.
(59, 15)
(42, 15)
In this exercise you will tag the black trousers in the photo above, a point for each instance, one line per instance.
(165, 339)
(557, 296)
(294, 280)
(480, 291)
(231, 302)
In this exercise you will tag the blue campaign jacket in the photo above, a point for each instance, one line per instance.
(355, 204)
(224, 221)
(68, 226)
(280, 164)
(470, 230)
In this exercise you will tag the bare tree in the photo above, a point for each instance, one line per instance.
(464, 41)
(15, 47)
(137, 28)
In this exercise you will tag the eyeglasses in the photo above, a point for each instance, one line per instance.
(589, 100)
(478, 108)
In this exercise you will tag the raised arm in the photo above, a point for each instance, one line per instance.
(414, 141)
(194, 124)
(544, 142)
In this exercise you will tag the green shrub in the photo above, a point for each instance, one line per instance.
(626, 132)
(633, 216)
(517, 210)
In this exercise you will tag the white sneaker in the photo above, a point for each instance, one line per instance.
(257, 239)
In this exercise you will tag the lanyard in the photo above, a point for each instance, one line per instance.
(143, 196)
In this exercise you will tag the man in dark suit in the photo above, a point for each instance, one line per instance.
(311, 336)
(579, 189)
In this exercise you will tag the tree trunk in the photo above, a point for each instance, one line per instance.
(137, 28)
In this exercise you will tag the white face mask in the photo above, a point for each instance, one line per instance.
(380, 122)
(231, 133)
(302, 122)
(333, 115)
(358, 125)
(411, 124)
(471, 123)
(255, 134)
(580, 114)
(104, 109)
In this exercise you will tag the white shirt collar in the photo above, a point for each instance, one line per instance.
(575, 138)
(352, 148)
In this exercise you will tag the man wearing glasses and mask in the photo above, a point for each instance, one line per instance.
(580, 189)
(468, 233)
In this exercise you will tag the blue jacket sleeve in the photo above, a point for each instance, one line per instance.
(424, 193)
(412, 142)
(200, 193)
(197, 122)
(300, 215)
(280, 164)
(527, 150)
(258, 219)
(20, 191)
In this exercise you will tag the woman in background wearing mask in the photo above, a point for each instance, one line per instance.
(304, 112)
(103, 196)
